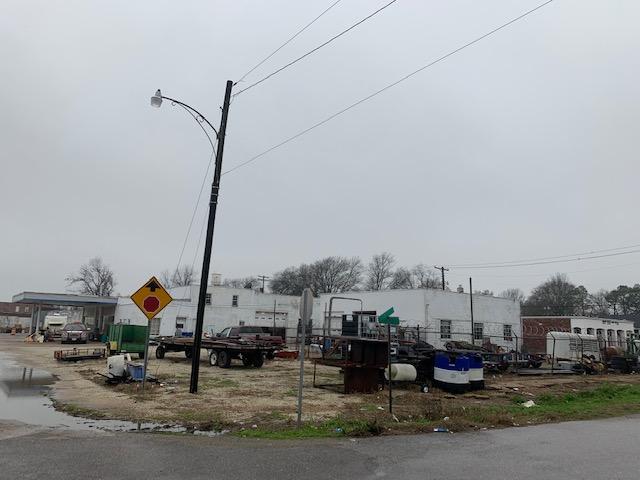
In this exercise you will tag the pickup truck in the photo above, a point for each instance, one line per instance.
(251, 333)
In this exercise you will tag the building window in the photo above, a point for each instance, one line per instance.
(17, 308)
(478, 331)
(180, 321)
(445, 329)
(507, 331)
(600, 332)
(577, 330)
(589, 331)
(207, 299)
(234, 301)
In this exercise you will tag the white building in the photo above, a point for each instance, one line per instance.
(224, 307)
(443, 315)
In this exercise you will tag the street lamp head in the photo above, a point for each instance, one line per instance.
(156, 100)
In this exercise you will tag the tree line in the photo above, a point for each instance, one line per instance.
(336, 274)
(559, 296)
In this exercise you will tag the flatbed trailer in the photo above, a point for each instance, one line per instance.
(220, 351)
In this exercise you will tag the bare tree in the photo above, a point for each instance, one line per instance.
(380, 271)
(246, 282)
(291, 280)
(335, 274)
(93, 278)
(327, 275)
(514, 294)
(598, 304)
(181, 277)
(425, 277)
(556, 296)
(402, 279)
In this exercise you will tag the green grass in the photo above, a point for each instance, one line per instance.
(77, 411)
(220, 383)
(332, 428)
(604, 401)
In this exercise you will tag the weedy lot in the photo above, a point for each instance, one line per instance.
(262, 402)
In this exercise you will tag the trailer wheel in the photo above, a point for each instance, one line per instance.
(160, 351)
(247, 361)
(224, 359)
(258, 360)
(213, 358)
(188, 352)
(271, 355)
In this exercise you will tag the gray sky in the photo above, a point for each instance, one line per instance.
(522, 146)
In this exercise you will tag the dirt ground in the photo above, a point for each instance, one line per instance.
(243, 397)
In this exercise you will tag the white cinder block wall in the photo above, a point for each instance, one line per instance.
(427, 308)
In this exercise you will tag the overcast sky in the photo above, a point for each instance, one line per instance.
(521, 146)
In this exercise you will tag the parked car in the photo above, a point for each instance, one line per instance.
(74, 333)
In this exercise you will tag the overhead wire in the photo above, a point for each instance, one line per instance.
(384, 89)
(312, 51)
(545, 258)
(288, 41)
(527, 264)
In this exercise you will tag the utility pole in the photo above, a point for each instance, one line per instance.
(206, 261)
(473, 335)
(274, 319)
(263, 278)
(442, 269)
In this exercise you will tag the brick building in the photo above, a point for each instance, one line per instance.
(611, 332)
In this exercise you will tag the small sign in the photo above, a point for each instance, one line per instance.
(151, 298)
(390, 321)
(382, 318)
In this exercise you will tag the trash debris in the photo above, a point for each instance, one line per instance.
(441, 430)
(380, 408)
(396, 419)
(529, 404)
(446, 419)
(338, 430)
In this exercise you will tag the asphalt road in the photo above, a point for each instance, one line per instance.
(602, 449)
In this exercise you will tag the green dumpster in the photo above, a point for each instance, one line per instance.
(127, 338)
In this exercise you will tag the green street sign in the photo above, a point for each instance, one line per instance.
(382, 318)
(390, 321)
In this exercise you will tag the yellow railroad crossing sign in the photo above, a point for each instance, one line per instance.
(151, 298)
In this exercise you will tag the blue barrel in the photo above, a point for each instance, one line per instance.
(476, 371)
(451, 371)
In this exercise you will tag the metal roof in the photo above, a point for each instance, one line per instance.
(71, 299)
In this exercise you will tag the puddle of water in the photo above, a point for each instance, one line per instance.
(23, 398)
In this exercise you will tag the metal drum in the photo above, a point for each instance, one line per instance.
(451, 371)
(476, 371)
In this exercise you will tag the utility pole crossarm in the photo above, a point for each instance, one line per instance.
(442, 270)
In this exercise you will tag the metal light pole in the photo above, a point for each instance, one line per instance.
(156, 101)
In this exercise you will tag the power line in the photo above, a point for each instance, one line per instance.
(335, 37)
(204, 179)
(546, 258)
(577, 259)
(289, 40)
(384, 89)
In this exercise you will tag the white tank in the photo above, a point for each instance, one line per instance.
(117, 364)
(401, 372)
